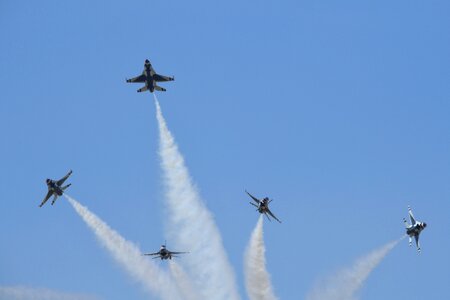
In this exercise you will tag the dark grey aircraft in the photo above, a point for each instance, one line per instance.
(263, 206)
(164, 253)
(150, 78)
(414, 229)
(55, 188)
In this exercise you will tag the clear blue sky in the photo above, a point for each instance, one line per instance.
(337, 109)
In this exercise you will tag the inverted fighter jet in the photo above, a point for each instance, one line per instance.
(164, 253)
(414, 229)
(263, 206)
(150, 78)
(55, 188)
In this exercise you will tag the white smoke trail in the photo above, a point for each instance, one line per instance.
(128, 255)
(192, 225)
(257, 278)
(345, 284)
(183, 281)
(28, 293)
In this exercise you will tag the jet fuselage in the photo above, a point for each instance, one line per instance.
(149, 81)
(164, 253)
(415, 229)
(263, 206)
(53, 186)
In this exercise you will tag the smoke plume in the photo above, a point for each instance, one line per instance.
(346, 283)
(144, 271)
(257, 278)
(191, 225)
(183, 282)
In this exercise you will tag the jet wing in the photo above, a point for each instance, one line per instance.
(178, 252)
(140, 78)
(254, 198)
(272, 215)
(413, 221)
(159, 78)
(61, 181)
(156, 253)
(267, 216)
(49, 194)
(406, 223)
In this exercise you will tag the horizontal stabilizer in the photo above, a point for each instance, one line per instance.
(142, 89)
(158, 88)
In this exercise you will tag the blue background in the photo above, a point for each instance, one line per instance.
(339, 110)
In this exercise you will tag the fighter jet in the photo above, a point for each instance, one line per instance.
(164, 253)
(263, 206)
(55, 188)
(150, 78)
(414, 229)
